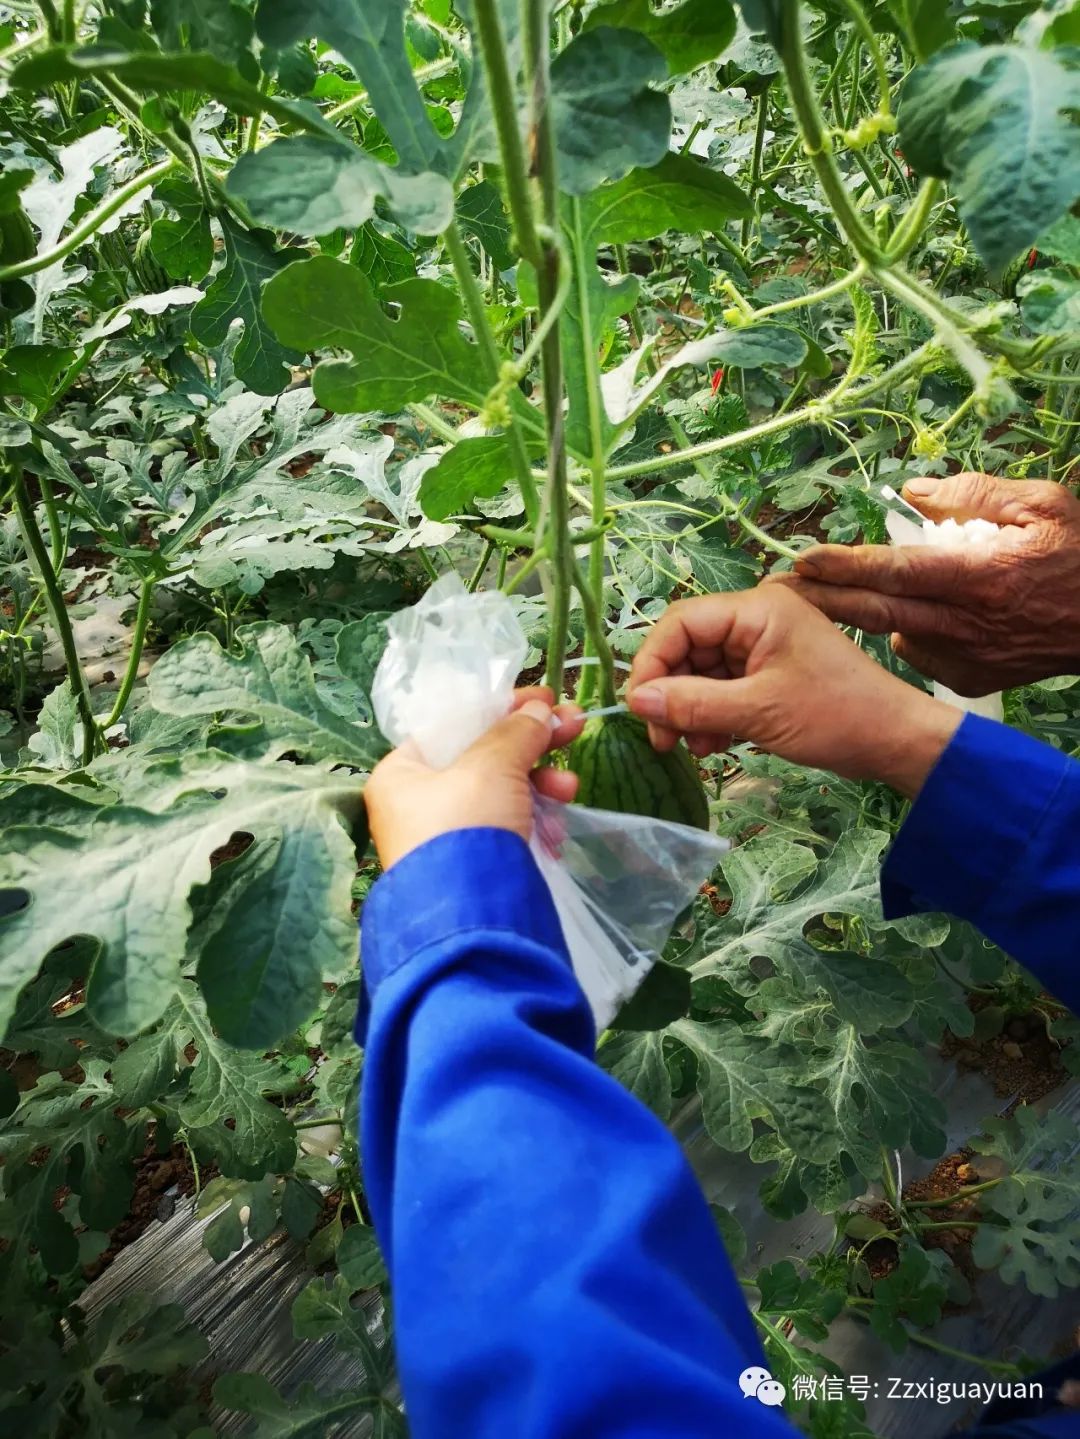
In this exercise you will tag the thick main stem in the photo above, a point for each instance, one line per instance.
(477, 312)
(542, 143)
(597, 457)
(58, 612)
(815, 136)
(138, 639)
(489, 32)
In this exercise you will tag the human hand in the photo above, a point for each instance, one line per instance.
(769, 667)
(980, 619)
(492, 783)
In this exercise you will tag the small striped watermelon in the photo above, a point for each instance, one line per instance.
(620, 770)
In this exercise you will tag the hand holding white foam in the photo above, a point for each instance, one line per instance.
(947, 534)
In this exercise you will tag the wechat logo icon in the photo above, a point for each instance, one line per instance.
(757, 1383)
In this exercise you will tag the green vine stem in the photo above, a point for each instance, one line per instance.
(58, 611)
(815, 137)
(435, 422)
(553, 525)
(549, 281)
(870, 40)
(966, 1193)
(51, 18)
(732, 508)
(52, 517)
(562, 294)
(1000, 1367)
(20, 46)
(421, 75)
(814, 413)
(531, 565)
(597, 456)
(89, 226)
(492, 42)
(948, 1224)
(797, 302)
(477, 312)
(855, 95)
(525, 539)
(945, 320)
(757, 158)
(477, 575)
(598, 640)
(907, 233)
(130, 106)
(138, 639)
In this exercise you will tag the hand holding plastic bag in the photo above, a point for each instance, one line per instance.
(619, 882)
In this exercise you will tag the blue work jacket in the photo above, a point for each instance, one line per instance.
(556, 1271)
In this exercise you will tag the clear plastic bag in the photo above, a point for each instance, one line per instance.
(619, 882)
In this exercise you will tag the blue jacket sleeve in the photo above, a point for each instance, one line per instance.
(555, 1268)
(994, 838)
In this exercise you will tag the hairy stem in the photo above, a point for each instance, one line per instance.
(945, 320)
(88, 227)
(492, 42)
(421, 75)
(841, 401)
(481, 565)
(549, 282)
(965, 1193)
(1000, 1367)
(734, 510)
(598, 640)
(870, 40)
(58, 612)
(489, 353)
(815, 137)
(758, 156)
(597, 456)
(802, 302)
(138, 639)
(948, 1224)
(911, 227)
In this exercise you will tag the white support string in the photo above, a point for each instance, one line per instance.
(607, 710)
(593, 660)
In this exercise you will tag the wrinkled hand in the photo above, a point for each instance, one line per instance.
(492, 783)
(770, 668)
(978, 620)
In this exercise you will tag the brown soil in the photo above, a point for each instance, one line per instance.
(233, 848)
(718, 903)
(154, 1174)
(87, 558)
(954, 1172)
(782, 524)
(1022, 1062)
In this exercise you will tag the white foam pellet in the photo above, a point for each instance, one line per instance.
(953, 534)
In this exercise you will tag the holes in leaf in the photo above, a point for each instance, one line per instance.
(13, 900)
(236, 845)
